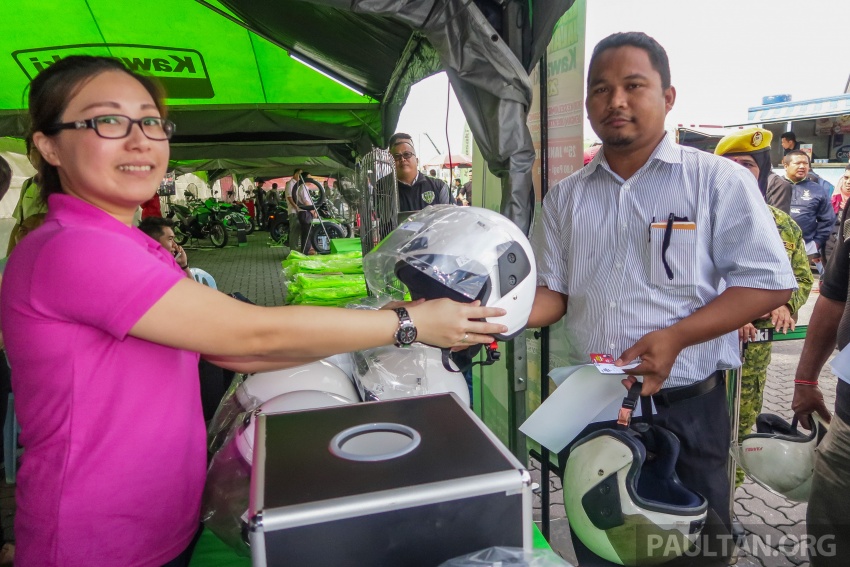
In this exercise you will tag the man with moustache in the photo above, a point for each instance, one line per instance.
(415, 190)
(686, 255)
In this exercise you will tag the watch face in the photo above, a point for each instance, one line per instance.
(407, 334)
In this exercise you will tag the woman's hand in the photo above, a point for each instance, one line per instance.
(445, 323)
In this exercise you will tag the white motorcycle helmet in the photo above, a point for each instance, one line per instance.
(262, 386)
(386, 373)
(227, 490)
(779, 457)
(463, 253)
(624, 500)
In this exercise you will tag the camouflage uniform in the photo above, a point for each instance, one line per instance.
(757, 355)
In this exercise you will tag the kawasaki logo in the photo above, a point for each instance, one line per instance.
(181, 72)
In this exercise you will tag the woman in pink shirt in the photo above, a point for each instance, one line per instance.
(103, 332)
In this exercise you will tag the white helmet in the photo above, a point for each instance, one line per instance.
(386, 373)
(293, 401)
(262, 386)
(463, 253)
(624, 497)
(779, 457)
(227, 490)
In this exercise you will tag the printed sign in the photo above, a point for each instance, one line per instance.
(182, 72)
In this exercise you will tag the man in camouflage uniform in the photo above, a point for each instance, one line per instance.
(751, 149)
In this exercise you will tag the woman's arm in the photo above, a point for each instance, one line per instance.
(191, 316)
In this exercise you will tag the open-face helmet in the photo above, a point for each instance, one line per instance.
(462, 253)
(779, 457)
(255, 389)
(624, 500)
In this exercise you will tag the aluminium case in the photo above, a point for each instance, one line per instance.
(458, 491)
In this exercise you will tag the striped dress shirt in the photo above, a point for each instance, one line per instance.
(605, 249)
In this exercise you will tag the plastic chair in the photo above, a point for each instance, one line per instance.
(203, 277)
(10, 442)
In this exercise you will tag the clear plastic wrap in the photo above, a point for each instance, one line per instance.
(504, 556)
(456, 246)
(386, 373)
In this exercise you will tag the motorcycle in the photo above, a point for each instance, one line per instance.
(196, 220)
(327, 226)
(234, 216)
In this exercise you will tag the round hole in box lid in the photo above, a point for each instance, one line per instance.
(375, 442)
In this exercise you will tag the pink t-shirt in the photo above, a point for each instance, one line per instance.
(114, 447)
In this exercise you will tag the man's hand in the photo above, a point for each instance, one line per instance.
(748, 333)
(808, 399)
(181, 258)
(657, 352)
(781, 319)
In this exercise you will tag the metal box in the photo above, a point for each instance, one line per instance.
(405, 482)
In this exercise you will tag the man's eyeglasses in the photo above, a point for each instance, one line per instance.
(116, 126)
(407, 156)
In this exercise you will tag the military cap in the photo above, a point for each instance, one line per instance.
(746, 141)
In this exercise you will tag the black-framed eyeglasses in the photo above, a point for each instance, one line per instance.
(116, 126)
(407, 156)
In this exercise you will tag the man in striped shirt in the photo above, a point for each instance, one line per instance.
(660, 253)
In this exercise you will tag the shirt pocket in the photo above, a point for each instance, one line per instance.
(673, 265)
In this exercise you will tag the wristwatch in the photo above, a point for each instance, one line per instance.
(406, 333)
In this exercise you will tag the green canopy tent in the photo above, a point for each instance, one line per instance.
(231, 72)
(244, 100)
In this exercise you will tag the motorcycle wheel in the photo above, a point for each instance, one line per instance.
(251, 228)
(320, 242)
(279, 231)
(218, 235)
(180, 237)
(314, 187)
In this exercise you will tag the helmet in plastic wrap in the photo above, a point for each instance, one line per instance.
(624, 496)
(254, 389)
(779, 457)
(386, 373)
(227, 490)
(462, 253)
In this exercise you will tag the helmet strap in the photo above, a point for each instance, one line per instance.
(624, 418)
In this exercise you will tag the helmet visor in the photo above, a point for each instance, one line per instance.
(441, 247)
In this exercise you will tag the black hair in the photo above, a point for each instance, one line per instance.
(657, 55)
(155, 226)
(52, 90)
(789, 136)
(5, 176)
(400, 137)
(787, 158)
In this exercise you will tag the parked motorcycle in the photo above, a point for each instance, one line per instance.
(196, 220)
(327, 226)
(234, 216)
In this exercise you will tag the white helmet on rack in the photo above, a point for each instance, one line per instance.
(386, 373)
(262, 386)
(463, 253)
(779, 457)
(625, 498)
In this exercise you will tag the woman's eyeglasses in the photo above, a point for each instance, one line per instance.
(116, 126)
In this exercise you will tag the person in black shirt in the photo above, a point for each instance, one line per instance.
(828, 514)
(415, 191)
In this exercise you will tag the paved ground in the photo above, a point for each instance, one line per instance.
(254, 270)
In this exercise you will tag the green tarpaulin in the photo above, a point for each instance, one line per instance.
(228, 87)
